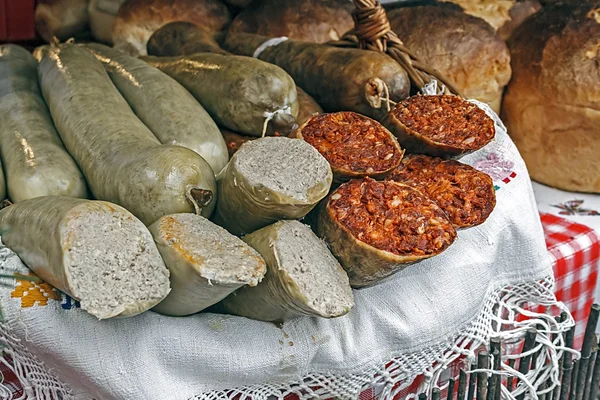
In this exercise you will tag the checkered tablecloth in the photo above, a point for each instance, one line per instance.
(574, 247)
(576, 251)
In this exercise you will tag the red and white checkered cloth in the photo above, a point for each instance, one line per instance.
(576, 252)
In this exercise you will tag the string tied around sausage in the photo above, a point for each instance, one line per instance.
(372, 31)
(267, 44)
(270, 115)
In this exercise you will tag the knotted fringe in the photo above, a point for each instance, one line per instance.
(506, 315)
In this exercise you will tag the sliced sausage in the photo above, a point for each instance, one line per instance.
(440, 126)
(120, 157)
(270, 179)
(303, 277)
(95, 251)
(33, 156)
(354, 145)
(466, 195)
(206, 263)
(377, 228)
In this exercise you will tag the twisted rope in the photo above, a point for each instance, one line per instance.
(372, 31)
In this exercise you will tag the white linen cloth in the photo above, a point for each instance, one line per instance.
(427, 314)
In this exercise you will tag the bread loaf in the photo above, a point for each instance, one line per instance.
(310, 20)
(138, 19)
(60, 18)
(463, 48)
(503, 15)
(552, 105)
(102, 18)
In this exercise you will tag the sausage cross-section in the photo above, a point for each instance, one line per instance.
(120, 157)
(270, 179)
(440, 126)
(95, 251)
(466, 195)
(377, 228)
(206, 263)
(303, 277)
(355, 146)
(33, 156)
(164, 106)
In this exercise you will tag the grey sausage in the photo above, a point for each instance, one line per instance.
(120, 157)
(240, 93)
(33, 156)
(79, 246)
(166, 107)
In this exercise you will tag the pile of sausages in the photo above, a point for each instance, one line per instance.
(172, 151)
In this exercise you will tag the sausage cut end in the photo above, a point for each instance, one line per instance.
(466, 195)
(391, 217)
(441, 125)
(354, 145)
(113, 265)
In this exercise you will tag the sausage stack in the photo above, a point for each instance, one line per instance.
(187, 178)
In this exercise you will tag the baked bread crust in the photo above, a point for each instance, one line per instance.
(465, 49)
(552, 105)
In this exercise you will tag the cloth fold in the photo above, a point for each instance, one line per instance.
(415, 321)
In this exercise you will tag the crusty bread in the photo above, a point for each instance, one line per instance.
(310, 20)
(552, 105)
(503, 15)
(138, 19)
(102, 18)
(60, 18)
(462, 47)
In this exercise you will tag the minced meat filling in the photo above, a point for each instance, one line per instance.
(465, 194)
(392, 217)
(352, 142)
(446, 119)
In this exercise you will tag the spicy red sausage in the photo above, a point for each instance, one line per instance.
(466, 195)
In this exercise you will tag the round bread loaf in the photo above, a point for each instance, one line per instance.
(138, 19)
(552, 105)
(465, 49)
(102, 18)
(309, 20)
(60, 18)
(503, 15)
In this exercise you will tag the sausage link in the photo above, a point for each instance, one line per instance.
(120, 157)
(377, 228)
(466, 195)
(33, 156)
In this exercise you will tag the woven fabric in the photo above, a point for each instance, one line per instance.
(416, 322)
(575, 249)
